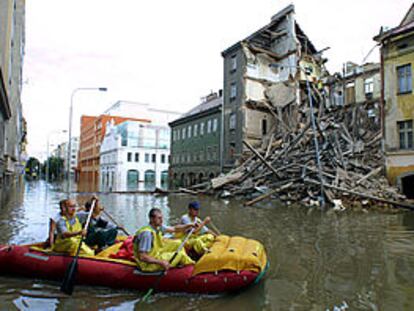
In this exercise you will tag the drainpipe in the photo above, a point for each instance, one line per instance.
(222, 136)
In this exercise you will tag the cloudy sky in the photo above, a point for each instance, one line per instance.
(163, 52)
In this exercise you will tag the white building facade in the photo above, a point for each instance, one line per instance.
(62, 152)
(134, 156)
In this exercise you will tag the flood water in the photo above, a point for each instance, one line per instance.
(319, 260)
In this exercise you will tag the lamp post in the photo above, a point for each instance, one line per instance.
(69, 152)
(47, 150)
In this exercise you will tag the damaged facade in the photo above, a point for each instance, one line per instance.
(262, 75)
(397, 61)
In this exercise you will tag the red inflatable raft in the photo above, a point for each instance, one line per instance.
(29, 261)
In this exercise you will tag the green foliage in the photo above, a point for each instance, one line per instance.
(56, 168)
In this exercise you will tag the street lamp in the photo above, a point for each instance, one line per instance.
(100, 89)
(47, 150)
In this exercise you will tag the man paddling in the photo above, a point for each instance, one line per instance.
(70, 231)
(152, 252)
(203, 237)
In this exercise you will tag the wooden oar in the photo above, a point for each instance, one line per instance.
(157, 282)
(214, 228)
(69, 280)
(116, 224)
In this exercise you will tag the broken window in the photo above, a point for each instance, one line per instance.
(369, 87)
(233, 91)
(232, 121)
(404, 79)
(405, 129)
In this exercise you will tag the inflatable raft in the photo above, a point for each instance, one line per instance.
(233, 263)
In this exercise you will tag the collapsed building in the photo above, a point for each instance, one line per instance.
(262, 74)
(290, 130)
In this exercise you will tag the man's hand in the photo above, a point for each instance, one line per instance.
(83, 233)
(165, 264)
(207, 220)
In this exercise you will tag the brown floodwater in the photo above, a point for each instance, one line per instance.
(319, 260)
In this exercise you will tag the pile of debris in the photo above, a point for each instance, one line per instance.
(347, 142)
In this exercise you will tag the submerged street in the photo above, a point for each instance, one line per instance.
(319, 261)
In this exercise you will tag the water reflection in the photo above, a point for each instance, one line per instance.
(318, 260)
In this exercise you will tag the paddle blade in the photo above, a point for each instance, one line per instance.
(69, 279)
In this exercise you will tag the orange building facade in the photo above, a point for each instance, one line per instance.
(92, 133)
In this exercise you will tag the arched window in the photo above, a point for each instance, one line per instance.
(132, 180)
(149, 180)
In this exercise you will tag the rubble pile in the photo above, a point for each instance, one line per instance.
(284, 166)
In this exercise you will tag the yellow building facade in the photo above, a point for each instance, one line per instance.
(397, 64)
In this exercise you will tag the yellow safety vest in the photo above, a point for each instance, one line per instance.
(157, 243)
(181, 235)
(69, 245)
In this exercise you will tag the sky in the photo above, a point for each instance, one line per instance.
(162, 52)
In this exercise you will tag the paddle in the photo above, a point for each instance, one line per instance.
(157, 282)
(116, 224)
(214, 228)
(69, 280)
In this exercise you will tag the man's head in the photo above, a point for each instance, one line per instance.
(155, 217)
(70, 207)
(193, 208)
(62, 206)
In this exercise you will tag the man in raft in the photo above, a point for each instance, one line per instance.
(52, 223)
(202, 238)
(152, 252)
(70, 231)
(101, 232)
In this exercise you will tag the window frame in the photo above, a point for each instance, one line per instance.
(404, 73)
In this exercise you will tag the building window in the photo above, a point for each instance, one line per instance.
(189, 131)
(233, 63)
(183, 133)
(136, 157)
(202, 128)
(188, 157)
(163, 158)
(129, 156)
(147, 158)
(195, 130)
(153, 158)
(405, 129)
(369, 87)
(232, 121)
(233, 91)
(215, 122)
(264, 127)
(208, 126)
(350, 93)
(404, 79)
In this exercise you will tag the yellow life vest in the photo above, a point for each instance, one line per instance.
(181, 235)
(157, 243)
(70, 245)
(161, 250)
